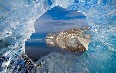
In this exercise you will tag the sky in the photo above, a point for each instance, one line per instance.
(58, 19)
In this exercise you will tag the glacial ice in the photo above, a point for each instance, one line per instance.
(17, 19)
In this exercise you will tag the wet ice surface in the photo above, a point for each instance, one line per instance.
(17, 22)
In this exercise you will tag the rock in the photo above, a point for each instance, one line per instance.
(73, 39)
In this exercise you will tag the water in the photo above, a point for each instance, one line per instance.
(37, 49)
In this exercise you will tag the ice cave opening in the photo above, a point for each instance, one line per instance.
(54, 20)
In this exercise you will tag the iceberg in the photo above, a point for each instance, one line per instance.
(74, 39)
(17, 19)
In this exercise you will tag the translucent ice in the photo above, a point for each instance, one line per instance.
(17, 19)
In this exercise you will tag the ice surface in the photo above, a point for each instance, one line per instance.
(17, 19)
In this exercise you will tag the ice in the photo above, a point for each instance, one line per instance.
(59, 63)
(17, 19)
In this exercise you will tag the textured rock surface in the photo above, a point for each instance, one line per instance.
(73, 40)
